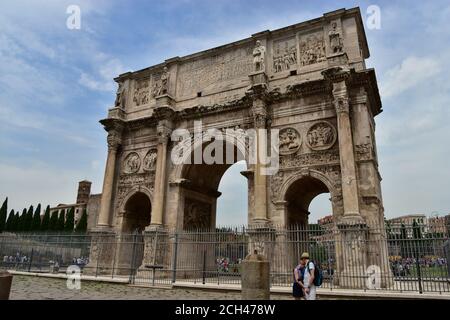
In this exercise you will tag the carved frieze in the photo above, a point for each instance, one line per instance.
(276, 183)
(284, 54)
(150, 160)
(160, 83)
(364, 152)
(310, 159)
(321, 136)
(132, 163)
(312, 49)
(141, 92)
(290, 141)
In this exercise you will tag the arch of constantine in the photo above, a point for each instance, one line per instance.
(308, 82)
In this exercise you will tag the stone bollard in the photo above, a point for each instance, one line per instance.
(5, 285)
(255, 277)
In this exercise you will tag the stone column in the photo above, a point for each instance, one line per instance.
(114, 141)
(260, 116)
(346, 151)
(164, 130)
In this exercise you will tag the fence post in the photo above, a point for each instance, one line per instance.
(31, 259)
(419, 276)
(174, 259)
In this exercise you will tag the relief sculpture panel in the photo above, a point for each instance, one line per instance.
(284, 54)
(132, 163)
(290, 141)
(321, 136)
(312, 49)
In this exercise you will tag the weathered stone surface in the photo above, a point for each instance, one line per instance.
(309, 81)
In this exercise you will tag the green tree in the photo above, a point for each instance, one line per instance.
(45, 224)
(10, 221)
(82, 224)
(15, 222)
(61, 220)
(53, 224)
(68, 226)
(3, 214)
(21, 223)
(36, 223)
(28, 219)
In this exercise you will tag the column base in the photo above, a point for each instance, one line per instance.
(102, 252)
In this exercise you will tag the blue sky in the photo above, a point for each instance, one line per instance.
(56, 83)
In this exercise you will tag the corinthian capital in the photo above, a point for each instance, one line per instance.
(114, 140)
(164, 130)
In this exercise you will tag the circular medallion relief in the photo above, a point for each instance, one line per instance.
(321, 136)
(150, 160)
(132, 163)
(290, 141)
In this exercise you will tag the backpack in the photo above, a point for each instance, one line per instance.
(318, 275)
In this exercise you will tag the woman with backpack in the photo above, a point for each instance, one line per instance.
(297, 287)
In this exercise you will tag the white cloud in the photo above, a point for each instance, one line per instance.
(411, 72)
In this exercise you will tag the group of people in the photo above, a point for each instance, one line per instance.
(80, 261)
(402, 267)
(304, 285)
(18, 258)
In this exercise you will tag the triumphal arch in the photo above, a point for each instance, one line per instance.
(307, 82)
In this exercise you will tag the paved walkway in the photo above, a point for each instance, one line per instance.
(40, 288)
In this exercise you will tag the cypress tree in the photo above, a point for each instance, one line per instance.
(10, 221)
(3, 214)
(68, 226)
(61, 220)
(53, 224)
(82, 224)
(28, 222)
(36, 223)
(21, 223)
(45, 225)
(16, 222)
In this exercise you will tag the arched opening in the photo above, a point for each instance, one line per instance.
(232, 205)
(136, 217)
(203, 254)
(299, 196)
(307, 199)
(137, 213)
(201, 190)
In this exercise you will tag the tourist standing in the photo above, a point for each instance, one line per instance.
(308, 277)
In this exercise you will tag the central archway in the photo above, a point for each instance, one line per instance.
(201, 183)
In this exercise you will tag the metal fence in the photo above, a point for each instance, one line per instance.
(399, 258)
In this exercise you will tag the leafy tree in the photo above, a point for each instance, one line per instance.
(68, 226)
(61, 220)
(36, 223)
(46, 220)
(10, 221)
(82, 224)
(53, 224)
(3, 214)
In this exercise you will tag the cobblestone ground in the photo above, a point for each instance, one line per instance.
(37, 288)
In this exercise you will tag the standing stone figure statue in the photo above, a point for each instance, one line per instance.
(164, 82)
(335, 39)
(120, 96)
(259, 56)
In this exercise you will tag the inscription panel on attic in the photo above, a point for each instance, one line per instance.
(220, 70)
